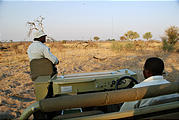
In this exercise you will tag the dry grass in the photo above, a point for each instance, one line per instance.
(16, 91)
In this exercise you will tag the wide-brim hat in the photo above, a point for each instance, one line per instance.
(39, 34)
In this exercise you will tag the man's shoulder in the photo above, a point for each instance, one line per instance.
(38, 44)
(154, 80)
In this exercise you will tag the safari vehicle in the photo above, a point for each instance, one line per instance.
(98, 96)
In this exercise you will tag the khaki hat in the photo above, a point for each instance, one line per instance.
(39, 34)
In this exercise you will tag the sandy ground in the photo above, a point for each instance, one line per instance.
(16, 87)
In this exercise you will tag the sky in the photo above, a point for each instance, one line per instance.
(82, 20)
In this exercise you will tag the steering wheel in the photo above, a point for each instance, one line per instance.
(120, 81)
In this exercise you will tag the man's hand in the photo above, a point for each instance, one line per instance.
(57, 63)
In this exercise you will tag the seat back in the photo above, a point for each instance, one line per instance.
(42, 67)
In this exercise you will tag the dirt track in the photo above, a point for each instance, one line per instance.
(16, 87)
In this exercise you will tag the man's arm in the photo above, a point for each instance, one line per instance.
(50, 56)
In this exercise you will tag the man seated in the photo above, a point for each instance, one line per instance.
(42, 61)
(153, 70)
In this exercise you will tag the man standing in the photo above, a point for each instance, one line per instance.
(40, 57)
(153, 70)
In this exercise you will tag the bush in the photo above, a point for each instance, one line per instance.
(130, 46)
(64, 41)
(121, 46)
(172, 36)
(167, 47)
(110, 40)
(116, 46)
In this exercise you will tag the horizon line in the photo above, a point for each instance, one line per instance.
(93, 0)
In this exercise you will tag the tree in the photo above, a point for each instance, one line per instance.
(96, 38)
(123, 38)
(172, 34)
(35, 25)
(11, 41)
(111, 39)
(130, 35)
(147, 35)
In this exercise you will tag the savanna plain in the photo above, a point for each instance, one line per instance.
(16, 86)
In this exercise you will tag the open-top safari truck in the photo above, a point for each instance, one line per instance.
(98, 96)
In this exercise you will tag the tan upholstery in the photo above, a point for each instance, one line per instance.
(42, 67)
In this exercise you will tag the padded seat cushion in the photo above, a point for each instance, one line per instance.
(42, 67)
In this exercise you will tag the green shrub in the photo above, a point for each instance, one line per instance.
(117, 46)
(129, 46)
(172, 34)
(121, 46)
(64, 41)
(110, 40)
(166, 46)
(171, 38)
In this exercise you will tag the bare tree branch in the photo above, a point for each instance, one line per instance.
(37, 25)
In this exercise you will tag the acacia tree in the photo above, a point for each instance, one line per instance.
(130, 35)
(96, 38)
(172, 36)
(147, 35)
(123, 38)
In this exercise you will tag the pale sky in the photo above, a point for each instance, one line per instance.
(82, 20)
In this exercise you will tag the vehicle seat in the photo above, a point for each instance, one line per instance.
(42, 67)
